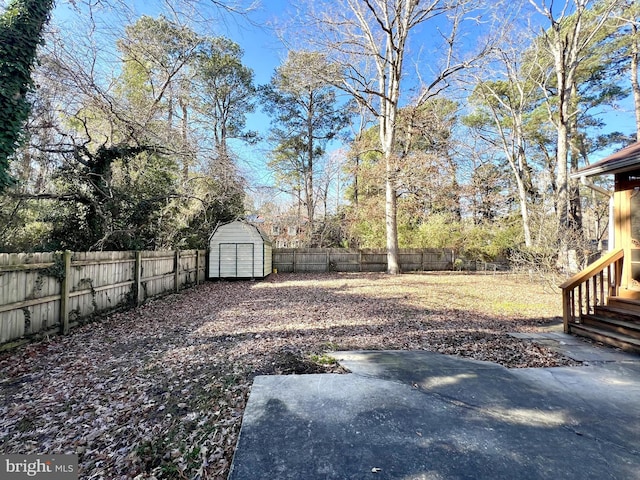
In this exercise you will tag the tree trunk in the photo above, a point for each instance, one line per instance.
(635, 85)
(387, 137)
(308, 183)
(524, 209)
(575, 204)
(185, 141)
(563, 54)
(393, 261)
(456, 209)
(562, 194)
(355, 181)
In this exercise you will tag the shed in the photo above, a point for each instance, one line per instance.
(238, 249)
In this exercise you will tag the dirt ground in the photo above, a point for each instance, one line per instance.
(159, 391)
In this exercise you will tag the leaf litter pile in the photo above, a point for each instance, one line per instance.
(159, 391)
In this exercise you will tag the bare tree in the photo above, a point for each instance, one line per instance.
(630, 18)
(370, 40)
(508, 101)
(570, 33)
(104, 143)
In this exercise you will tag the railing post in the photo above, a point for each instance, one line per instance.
(618, 269)
(566, 309)
(579, 287)
(588, 279)
(587, 306)
(602, 288)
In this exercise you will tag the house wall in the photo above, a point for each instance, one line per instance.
(285, 232)
(626, 185)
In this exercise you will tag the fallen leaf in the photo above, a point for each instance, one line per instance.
(163, 387)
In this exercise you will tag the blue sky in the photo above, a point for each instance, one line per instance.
(256, 34)
(263, 52)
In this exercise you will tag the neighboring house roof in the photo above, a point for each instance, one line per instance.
(621, 161)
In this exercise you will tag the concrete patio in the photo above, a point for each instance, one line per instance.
(423, 415)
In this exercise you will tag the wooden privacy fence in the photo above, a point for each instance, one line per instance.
(306, 260)
(47, 293)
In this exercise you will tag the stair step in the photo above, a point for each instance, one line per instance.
(608, 337)
(628, 304)
(617, 313)
(617, 325)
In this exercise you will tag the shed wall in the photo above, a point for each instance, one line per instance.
(267, 260)
(237, 250)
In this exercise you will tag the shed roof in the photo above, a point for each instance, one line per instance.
(264, 236)
(621, 161)
(245, 224)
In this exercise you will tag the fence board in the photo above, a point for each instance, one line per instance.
(32, 299)
(343, 260)
(22, 284)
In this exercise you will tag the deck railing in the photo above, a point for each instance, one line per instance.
(591, 287)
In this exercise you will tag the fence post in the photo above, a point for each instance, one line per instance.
(359, 260)
(197, 267)
(328, 268)
(294, 261)
(65, 289)
(176, 265)
(138, 277)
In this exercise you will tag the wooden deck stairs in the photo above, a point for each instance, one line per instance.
(592, 306)
(616, 324)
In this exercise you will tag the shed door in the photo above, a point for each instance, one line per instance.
(236, 260)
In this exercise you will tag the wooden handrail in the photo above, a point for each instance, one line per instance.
(591, 282)
(593, 269)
